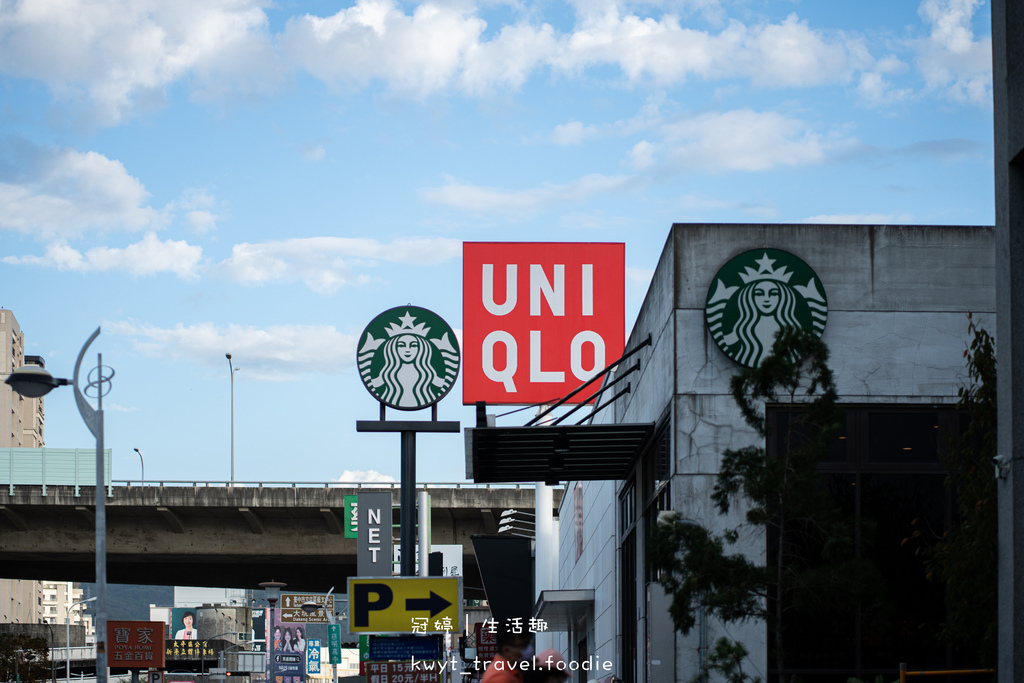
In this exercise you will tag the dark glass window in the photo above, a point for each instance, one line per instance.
(885, 468)
(903, 437)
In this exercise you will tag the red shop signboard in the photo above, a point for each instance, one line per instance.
(539, 319)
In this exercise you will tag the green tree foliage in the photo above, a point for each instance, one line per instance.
(965, 557)
(726, 659)
(814, 567)
(24, 657)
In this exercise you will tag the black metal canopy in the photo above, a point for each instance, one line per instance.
(554, 453)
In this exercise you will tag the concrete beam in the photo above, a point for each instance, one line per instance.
(14, 518)
(252, 519)
(87, 513)
(490, 525)
(172, 519)
(333, 523)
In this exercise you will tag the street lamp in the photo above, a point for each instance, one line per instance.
(231, 367)
(143, 461)
(67, 637)
(273, 589)
(311, 607)
(32, 381)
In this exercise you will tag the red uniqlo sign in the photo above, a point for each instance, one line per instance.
(135, 644)
(539, 319)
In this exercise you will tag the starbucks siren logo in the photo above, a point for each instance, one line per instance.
(758, 293)
(408, 358)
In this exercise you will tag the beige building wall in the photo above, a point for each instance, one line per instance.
(23, 418)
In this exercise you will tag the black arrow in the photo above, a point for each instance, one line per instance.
(435, 604)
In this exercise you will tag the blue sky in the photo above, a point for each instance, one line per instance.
(210, 176)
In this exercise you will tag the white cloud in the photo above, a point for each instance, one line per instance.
(572, 133)
(519, 203)
(113, 54)
(59, 192)
(280, 352)
(146, 257)
(374, 39)
(108, 52)
(642, 155)
(742, 140)
(860, 219)
(353, 476)
(196, 205)
(787, 54)
(951, 60)
(311, 152)
(325, 264)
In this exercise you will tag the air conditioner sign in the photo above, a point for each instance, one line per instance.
(539, 319)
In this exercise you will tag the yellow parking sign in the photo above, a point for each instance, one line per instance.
(408, 604)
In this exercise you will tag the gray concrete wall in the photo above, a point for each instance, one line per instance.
(898, 298)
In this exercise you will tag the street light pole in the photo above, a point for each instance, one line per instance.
(67, 637)
(310, 608)
(35, 382)
(231, 367)
(143, 461)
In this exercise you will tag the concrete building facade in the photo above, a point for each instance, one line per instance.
(898, 299)
(25, 421)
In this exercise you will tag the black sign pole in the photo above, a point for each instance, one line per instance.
(408, 501)
(407, 496)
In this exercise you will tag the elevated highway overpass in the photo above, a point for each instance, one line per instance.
(214, 534)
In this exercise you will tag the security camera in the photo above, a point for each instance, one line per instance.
(1002, 466)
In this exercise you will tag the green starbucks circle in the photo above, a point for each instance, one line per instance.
(408, 358)
(758, 293)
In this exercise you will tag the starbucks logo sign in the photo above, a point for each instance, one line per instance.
(758, 293)
(408, 358)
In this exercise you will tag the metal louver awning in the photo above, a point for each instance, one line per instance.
(554, 453)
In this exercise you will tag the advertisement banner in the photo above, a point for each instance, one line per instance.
(286, 650)
(136, 644)
(184, 623)
(539, 319)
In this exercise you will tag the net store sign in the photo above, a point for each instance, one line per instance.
(539, 319)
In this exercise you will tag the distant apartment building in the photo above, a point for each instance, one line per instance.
(24, 421)
(25, 601)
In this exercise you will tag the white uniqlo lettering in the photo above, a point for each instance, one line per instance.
(510, 289)
(576, 354)
(536, 373)
(507, 375)
(588, 288)
(554, 292)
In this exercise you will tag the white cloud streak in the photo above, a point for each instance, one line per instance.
(326, 264)
(742, 140)
(522, 203)
(108, 55)
(364, 476)
(52, 192)
(860, 219)
(147, 257)
(951, 60)
(276, 353)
